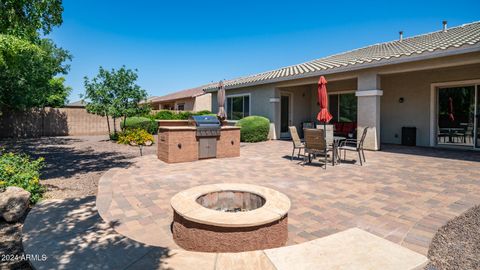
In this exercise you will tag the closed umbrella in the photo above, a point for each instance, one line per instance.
(450, 110)
(324, 115)
(221, 101)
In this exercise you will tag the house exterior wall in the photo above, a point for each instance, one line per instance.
(203, 102)
(414, 87)
(188, 104)
(412, 81)
(259, 100)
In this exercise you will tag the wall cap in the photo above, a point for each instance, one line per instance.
(369, 93)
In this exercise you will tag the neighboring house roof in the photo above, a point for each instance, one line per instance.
(76, 104)
(188, 93)
(460, 39)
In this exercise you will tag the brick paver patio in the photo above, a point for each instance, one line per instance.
(403, 194)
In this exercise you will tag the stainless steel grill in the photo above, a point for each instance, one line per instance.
(207, 125)
(208, 130)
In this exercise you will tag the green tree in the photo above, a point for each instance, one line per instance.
(114, 93)
(29, 18)
(29, 63)
(27, 72)
(58, 92)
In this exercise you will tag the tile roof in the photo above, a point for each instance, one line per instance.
(76, 104)
(188, 93)
(467, 35)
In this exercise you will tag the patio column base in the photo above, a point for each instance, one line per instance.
(369, 116)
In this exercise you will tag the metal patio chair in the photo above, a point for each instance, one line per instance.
(315, 144)
(297, 142)
(354, 146)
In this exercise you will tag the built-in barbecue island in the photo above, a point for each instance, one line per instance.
(199, 137)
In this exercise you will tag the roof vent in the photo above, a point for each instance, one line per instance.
(444, 26)
(400, 33)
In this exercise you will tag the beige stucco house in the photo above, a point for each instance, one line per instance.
(194, 99)
(430, 82)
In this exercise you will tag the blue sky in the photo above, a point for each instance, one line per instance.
(180, 44)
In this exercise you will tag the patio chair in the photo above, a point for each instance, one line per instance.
(297, 142)
(315, 144)
(355, 146)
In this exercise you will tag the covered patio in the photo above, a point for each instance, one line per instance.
(386, 101)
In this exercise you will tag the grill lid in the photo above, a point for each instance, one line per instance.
(205, 121)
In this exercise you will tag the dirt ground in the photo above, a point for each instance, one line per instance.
(73, 167)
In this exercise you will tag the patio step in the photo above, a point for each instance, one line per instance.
(349, 249)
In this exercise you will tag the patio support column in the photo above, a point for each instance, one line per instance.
(368, 113)
(275, 105)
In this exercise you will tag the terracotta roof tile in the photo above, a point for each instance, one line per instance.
(467, 35)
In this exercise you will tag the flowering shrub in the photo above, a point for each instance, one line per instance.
(21, 171)
(135, 136)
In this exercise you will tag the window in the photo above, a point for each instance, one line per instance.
(238, 107)
(181, 106)
(343, 107)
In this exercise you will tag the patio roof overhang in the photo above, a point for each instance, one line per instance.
(359, 67)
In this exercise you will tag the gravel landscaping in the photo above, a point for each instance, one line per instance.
(73, 168)
(457, 244)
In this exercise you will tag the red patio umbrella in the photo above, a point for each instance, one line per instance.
(324, 115)
(450, 109)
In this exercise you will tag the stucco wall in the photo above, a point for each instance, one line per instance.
(203, 102)
(414, 87)
(189, 104)
(259, 100)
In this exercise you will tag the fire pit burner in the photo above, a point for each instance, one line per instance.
(230, 218)
(231, 201)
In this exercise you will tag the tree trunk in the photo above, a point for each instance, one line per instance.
(108, 125)
(115, 125)
(124, 121)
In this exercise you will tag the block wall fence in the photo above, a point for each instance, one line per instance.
(53, 122)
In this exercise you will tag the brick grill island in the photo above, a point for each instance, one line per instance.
(230, 218)
(181, 141)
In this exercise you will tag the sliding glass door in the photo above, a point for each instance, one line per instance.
(477, 116)
(457, 114)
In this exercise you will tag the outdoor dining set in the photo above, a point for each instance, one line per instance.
(322, 143)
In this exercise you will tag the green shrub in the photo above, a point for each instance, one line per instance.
(165, 115)
(114, 136)
(204, 112)
(184, 115)
(140, 122)
(21, 171)
(135, 136)
(254, 129)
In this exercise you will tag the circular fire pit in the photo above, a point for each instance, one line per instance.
(230, 218)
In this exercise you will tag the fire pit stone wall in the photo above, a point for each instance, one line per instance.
(230, 218)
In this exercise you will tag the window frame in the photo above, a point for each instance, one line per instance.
(239, 95)
(180, 104)
(339, 93)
